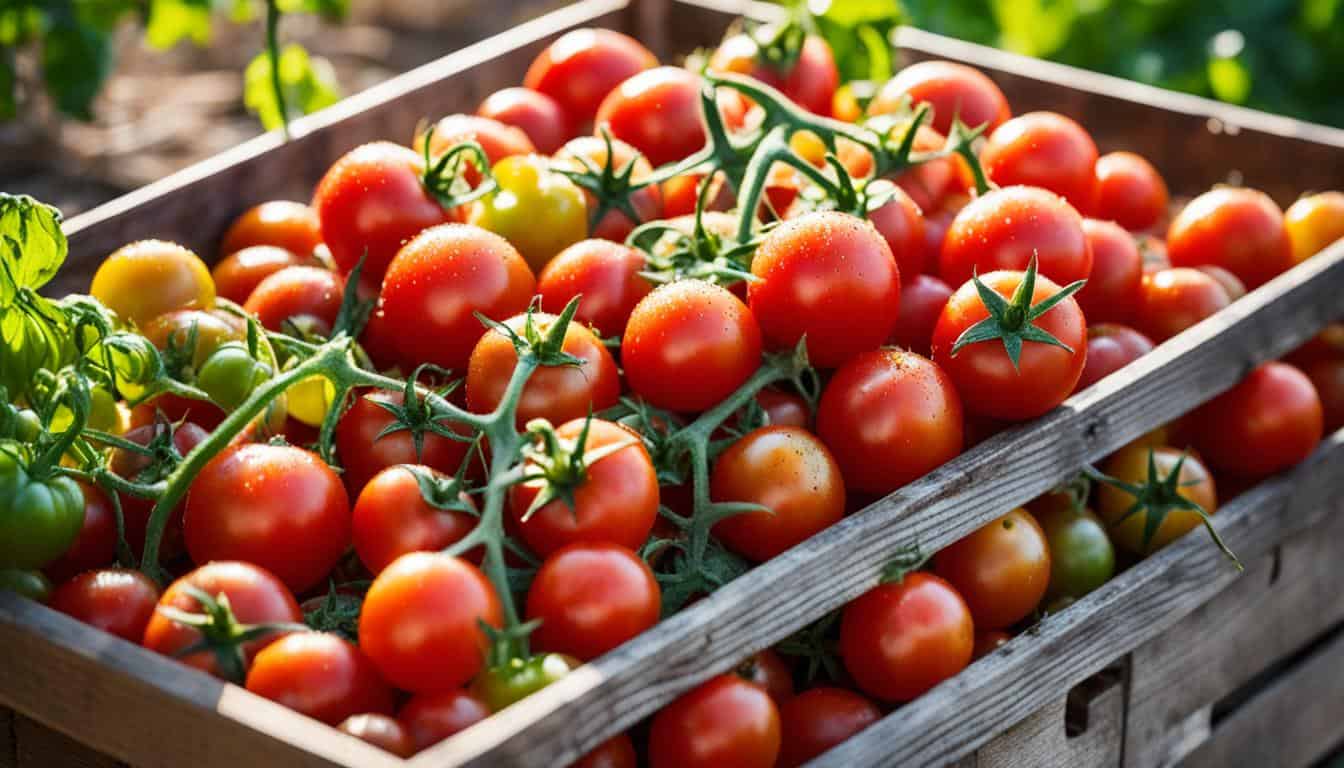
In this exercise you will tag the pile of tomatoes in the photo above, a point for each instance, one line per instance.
(743, 304)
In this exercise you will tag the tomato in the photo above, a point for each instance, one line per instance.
(231, 374)
(533, 112)
(657, 112)
(1173, 299)
(889, 417)
(1234, 287)
(96, 543)
(1002, 569)
(538, 211)
(989, 641)
(816, 720)
(922, 300)
(381, 731)
(898, 640)
(252, 502)
(254, 596)
(1130, 191)
(391, 517)
(809, 80)
(1268, 422)
(901, 223)
(931, 183)
(1112, 290)
(432, 717)
(140, 468)
(590, 598)
(421, 622)
(321, 675)
(300, 294)
(1047, 150)
(25, 583)
(365, 451)
(647, 202)
(768, 670)
(555, 393)
(147, 278)
(605, 274)
(953, 91)
(516, 679)
(581, 67)
(1081, 555)
(1238, 229)
(688, 345)
(1314, 222)
(936, 226)
(437, 283)
(283, 224)
(784, 409)
(117, 601)
(615, 502)
(1327, 376)
(1130, 464)
(1110, 347)
(497, 139)
(787, 470)
(189, 334)
(725, 721)
(371, 202)
(237, 274)
(1004, 228)
(616, 752)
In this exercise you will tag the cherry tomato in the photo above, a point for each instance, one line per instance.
(392, 517)
(1173, 299)
(432, 717)
(922, 300)
(616, 752)
(505, 685)
(768, 670)
(901, 223)
(254, 501)
(190, 334)
(725, 721)
(115, 600)
(1130, 464)
(1047, 150)
(953, 90)
(1081, 555)
(657, 112)
(809, 80)
(421, 622)
(147, 278)
(96, 544)
(898, 640)
(1003, 228)
(931, 183)
(497, 140)
(784, 409)
(605, 274)
(580, 68)
(283, 224)
(816, 720)
(1112, 290)
(590, 598)
(646, 202)
(1238, 229)
(321, 675)
(297, 292)
(140, 468)
(364, 453)
(688, 345)
(1002, 569)
(1110, 347)
(1130, 191)
(989, 641)
(239, 273)
(1267, 423)
(1314, 222)
(538, 211)
(1326, 374)
(381, 731)
(533, 112)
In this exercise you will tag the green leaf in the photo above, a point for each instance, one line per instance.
(1229, 79)
(1034, 27)
(857, 31)
(76, 60)
(308, 83)
(32, 245)
(172, 21)
(331, 10)
(31, 337)
(17, 24)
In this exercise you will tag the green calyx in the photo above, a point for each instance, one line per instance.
(221, 632)
(610, 186)
(817, 645)
(557, 466)
(907, 560)
(338, 614)
(444, 176)
(1011, 321)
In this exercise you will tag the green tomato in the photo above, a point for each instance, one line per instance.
(538, 211)
(39, 518)
(1081, 555)
(231, 374)
(514, 681)
(31, 584)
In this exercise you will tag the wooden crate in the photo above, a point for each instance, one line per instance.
(129, 705)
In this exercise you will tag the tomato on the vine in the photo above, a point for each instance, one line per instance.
(365, 451)
(1239, 229)
(1004, 228)
(115, 600)
(607, 277)
(590, 598)
(497, 140)
(539, 211)
(281, 224)
(300, 294)
(1130, 191)
(954, 91)
(582, 66)
(96, 543)
(533, 112)
(145, 279)
(391, 517)
(646, 202)
(816, 720)
(321, 675)
(658, 113)
(138, 467)
(809, 78)
(725, 721)
(1047, 150)
(1130, 464)
(1267, 423)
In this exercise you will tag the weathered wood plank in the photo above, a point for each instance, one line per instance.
(37, 746)
(1041, 740)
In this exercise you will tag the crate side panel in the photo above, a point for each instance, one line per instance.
(1040, 741)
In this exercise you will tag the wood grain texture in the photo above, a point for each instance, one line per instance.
(1040, 740)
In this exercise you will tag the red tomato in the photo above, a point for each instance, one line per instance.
(295, 293)
(421, 622)
(555, 393)
(990, 641)
(768, 670)
(255, 597)
(590, 598)
(323, 676)
(432, 717)
(1002, 569)
(922, 300)
(1314, 222)
(616, 752)
(605, 274)
(1238, 229)
(1110, 347)
(1044, 149)
(727, 721)
(370, 202)
(533, 112)
(901, 223)
(364, 454)
(1130, 191)
(787, 470)
(1003, 228)
(96, 544)
(136, 511)
(1234, 287)
(657, 112)
(1326, 374)
(1112, 290)
(931, 182)
(899, 640)
(689, 345)
(815, 721)
(381, 731)
(497, 140)
(647, 202)
(580, 68)
(809, 81)
(1270, 421)
(280, 223)
(239, 273)
(117, 601)
(889, 417)
(953, 90)
(616, 501)
(437, 283)
(391, 518)
(784, 409)
(1173, 299)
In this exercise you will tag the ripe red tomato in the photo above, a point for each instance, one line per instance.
(922, 301)
(580, 68)
(364, 454)
(989, 641)
(370, 202)
(725, 721)
(1003, 228)
(255, 596)
(437, 283)
(931, 182)
(432, 717)
(901, 223)
(953, 90)
(616, 502)
(1002, 569)
(284, 224)
(239, 273)
(117, 601)
(816, 720)
(989, 383)
(616, 752)
(789, 471)
(898, 640)
(295, 293)
(1130, 191)
(497, 140)
(392, 518)
(533, 112)
(605, 274)
(784, 409)
(1238, 229)
(889, 417)
(590, 598)
(95, 545)
(1110, 347)
(555, 393)
(1314, 222)
(1173, 299)
(688, 345)
(1270, 421)
(135, 511)
(420, 623)
(1112, 291)
(381, 731)
(810, 80)
(768, 670)
(1047, 150)
(323, 676)
(1234, 287)
(657, 112)
(1326, 374)
(647, 202)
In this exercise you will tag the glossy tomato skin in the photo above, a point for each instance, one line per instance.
(96, 544)
(372, 201)
(533, 112)
(901, 223)
(646, 202)
(829, 277)
(297, 292)
(1047, 150)
(497, 140)
(321, 675)
(239, 273)
(922, 301)
(953, 91)
(135, 510)
(392, 518)
(1112, 290)
(900, 639)
(689, 345)
(816, 720)
(657, 112)
(768, 670)
(1130, 191)
(538, 211)
(439, 280)
(1269, 422)
(1002, 569)
(1130, 464)
(616, 503)
(787, 470)
(989, 641)
(725, 721)
(555, 393)
(1110, 347)
(1327, 376)
(364, 454)
(616, 752)
(432, 717)
(1082, 557)
(605, 274)
(784, 409)
(889, 417)
(1314, 222)
(145, 279)
(1003, 228)
(580, 68)
(985, 377)
(1238, 229)
(381, 731)
(809, 82)
(283, 224)
(590, 598)
(115, 600)
(1173, 299)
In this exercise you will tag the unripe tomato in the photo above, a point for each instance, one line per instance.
(145, 279)
(1081, 555)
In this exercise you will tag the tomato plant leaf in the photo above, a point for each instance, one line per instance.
(331, 10)
(76, 60)
(172, 21)
(32, 245)
(308, 83)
